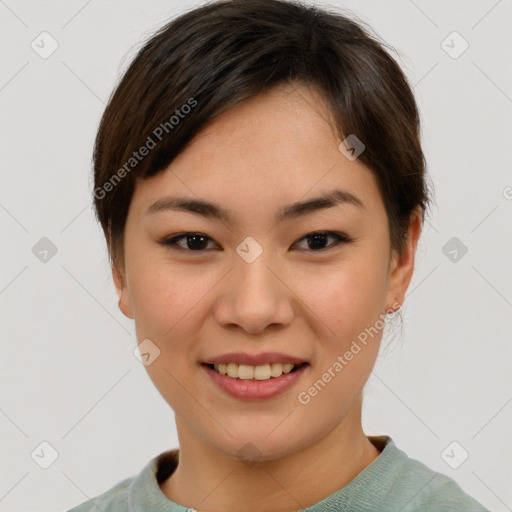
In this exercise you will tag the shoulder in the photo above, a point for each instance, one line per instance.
(113, 500)
(135, 493)
(428, 491)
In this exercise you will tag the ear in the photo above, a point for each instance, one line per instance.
(402, 265)
(122, 292)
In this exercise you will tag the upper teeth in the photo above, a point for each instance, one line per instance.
(262, 372)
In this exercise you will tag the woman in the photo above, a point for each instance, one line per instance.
(260, 182)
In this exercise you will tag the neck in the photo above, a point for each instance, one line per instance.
(208, 480)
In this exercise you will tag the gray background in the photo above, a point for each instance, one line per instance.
(69, 377)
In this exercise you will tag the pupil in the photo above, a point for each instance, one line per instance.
(194, 244)
(318, 241)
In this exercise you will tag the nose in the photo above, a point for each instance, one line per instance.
(254, 297)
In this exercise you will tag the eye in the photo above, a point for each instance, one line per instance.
(194, 242)
(317, 240)
(198, 242)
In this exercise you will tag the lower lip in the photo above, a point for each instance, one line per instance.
(255, 389)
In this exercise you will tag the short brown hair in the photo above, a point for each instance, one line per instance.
(220, 54)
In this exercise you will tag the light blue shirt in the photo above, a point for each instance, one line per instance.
(392, 482)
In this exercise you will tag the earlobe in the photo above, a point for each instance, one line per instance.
(122, 292)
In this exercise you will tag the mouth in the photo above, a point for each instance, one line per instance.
(251, 383)
(261, 372)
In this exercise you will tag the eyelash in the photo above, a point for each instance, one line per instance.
(340, 238)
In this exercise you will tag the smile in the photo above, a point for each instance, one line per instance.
(260, 372)
(255, 382)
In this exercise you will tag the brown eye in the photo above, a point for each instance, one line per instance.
(317, 241)
(193, 242)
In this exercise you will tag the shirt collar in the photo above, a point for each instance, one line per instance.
(145, 494)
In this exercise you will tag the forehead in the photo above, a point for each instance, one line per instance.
(274, 149)
(283, 122)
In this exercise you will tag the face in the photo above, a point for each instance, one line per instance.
(247, 280)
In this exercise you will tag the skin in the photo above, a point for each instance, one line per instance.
(268, 152)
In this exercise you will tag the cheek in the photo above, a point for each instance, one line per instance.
(169, 304)
(347, 297)
(166, 297)
(349, 303)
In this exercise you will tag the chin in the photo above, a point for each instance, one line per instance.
(252, 445)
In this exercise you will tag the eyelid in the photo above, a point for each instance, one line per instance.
(341, 238)
(171, 242)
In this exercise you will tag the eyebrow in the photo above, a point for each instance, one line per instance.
(214, 211)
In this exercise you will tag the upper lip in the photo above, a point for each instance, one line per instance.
(254, 359)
